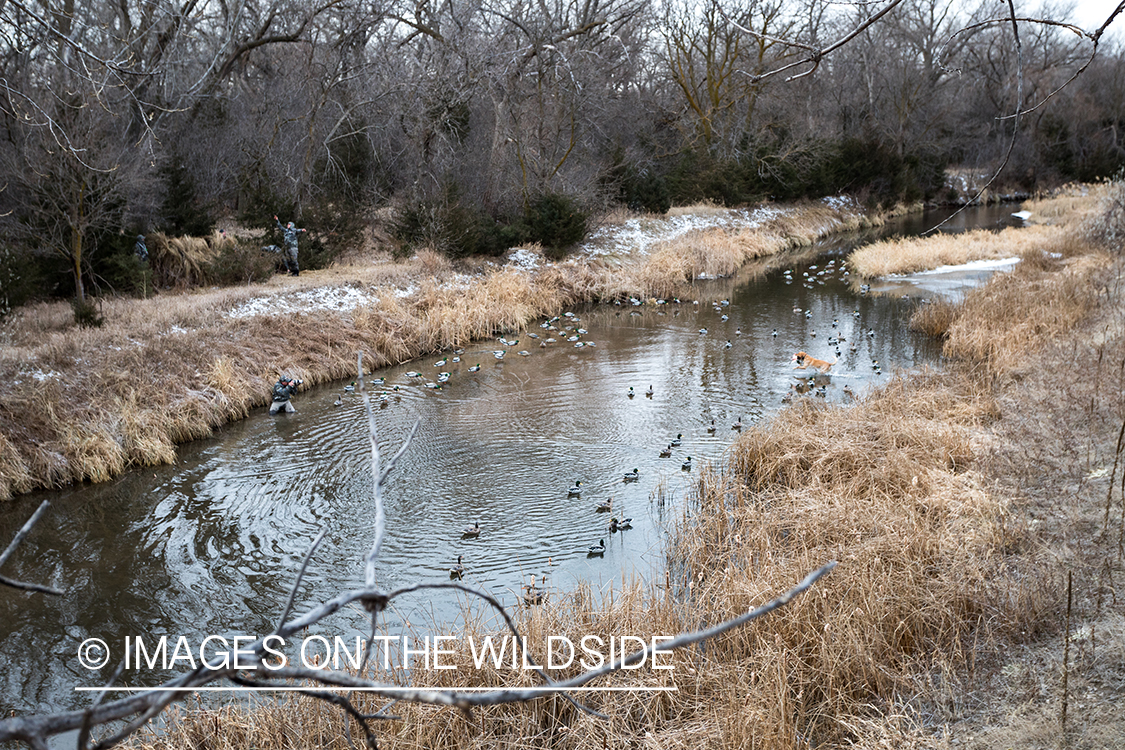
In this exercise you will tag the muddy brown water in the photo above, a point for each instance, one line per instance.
(211, 545)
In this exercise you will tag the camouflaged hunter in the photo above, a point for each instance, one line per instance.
(283, 390)
(290, 235)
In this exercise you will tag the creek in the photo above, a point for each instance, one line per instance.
(212, 544)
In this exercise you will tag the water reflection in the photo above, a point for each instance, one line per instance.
(212, 544)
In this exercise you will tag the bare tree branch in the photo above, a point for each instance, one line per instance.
(19, 537)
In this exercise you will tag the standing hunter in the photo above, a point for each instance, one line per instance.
(290, 232)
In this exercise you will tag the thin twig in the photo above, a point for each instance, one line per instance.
(19, 537)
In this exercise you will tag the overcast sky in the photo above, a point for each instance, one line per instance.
(1090, 14)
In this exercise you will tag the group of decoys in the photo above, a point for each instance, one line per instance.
(566, 327)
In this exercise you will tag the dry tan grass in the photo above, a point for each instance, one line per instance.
(174, 367)
(948, 575)
(927, 579)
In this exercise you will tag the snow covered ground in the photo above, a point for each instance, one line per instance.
(635, 236)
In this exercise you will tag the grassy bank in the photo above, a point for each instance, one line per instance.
(1055, 220)
(89, 403)
(957, 503)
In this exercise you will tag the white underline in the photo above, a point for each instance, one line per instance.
(291, 689)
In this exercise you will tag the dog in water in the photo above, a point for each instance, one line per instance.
(804, 361)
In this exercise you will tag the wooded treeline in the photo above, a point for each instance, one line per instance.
(489, 122)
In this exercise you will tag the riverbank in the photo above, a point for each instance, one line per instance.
(1051, 222)
(86, 404)
(959, 504)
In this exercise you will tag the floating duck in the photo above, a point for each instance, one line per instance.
(471, 531)
(686, 466)
(666, 452)
(596, 550)
(378, 381)
(712, 428)
(605, 507)
(624, 524)
(678, 439)
(737, 425)
(632, 476)
(576, 489)
(649, 392)
(350, 388)
(457, 570)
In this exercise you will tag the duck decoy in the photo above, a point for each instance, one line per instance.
(678, 439)
(737, 425)
(712, 428)
(457, 570)
(576, 489)
(532, 594)
(649, 392)
(596, 550)
(499, 353)
(475, 368)
(524, 353)
(378, 381)
(666, 452)
(471, 531)
(413, 374)
(338, 402)
(728, 345)
(631, 393)
(605, 507)
(623, 525)
(350, 388)
(774, 333)
(686, 466)
(632, 476)
(442, 362)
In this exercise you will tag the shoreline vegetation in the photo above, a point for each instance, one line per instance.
(961, 506)
(86, 404)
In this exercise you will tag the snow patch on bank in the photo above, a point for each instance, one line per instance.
(638, 235)
(338, 298)
(1003, 264)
